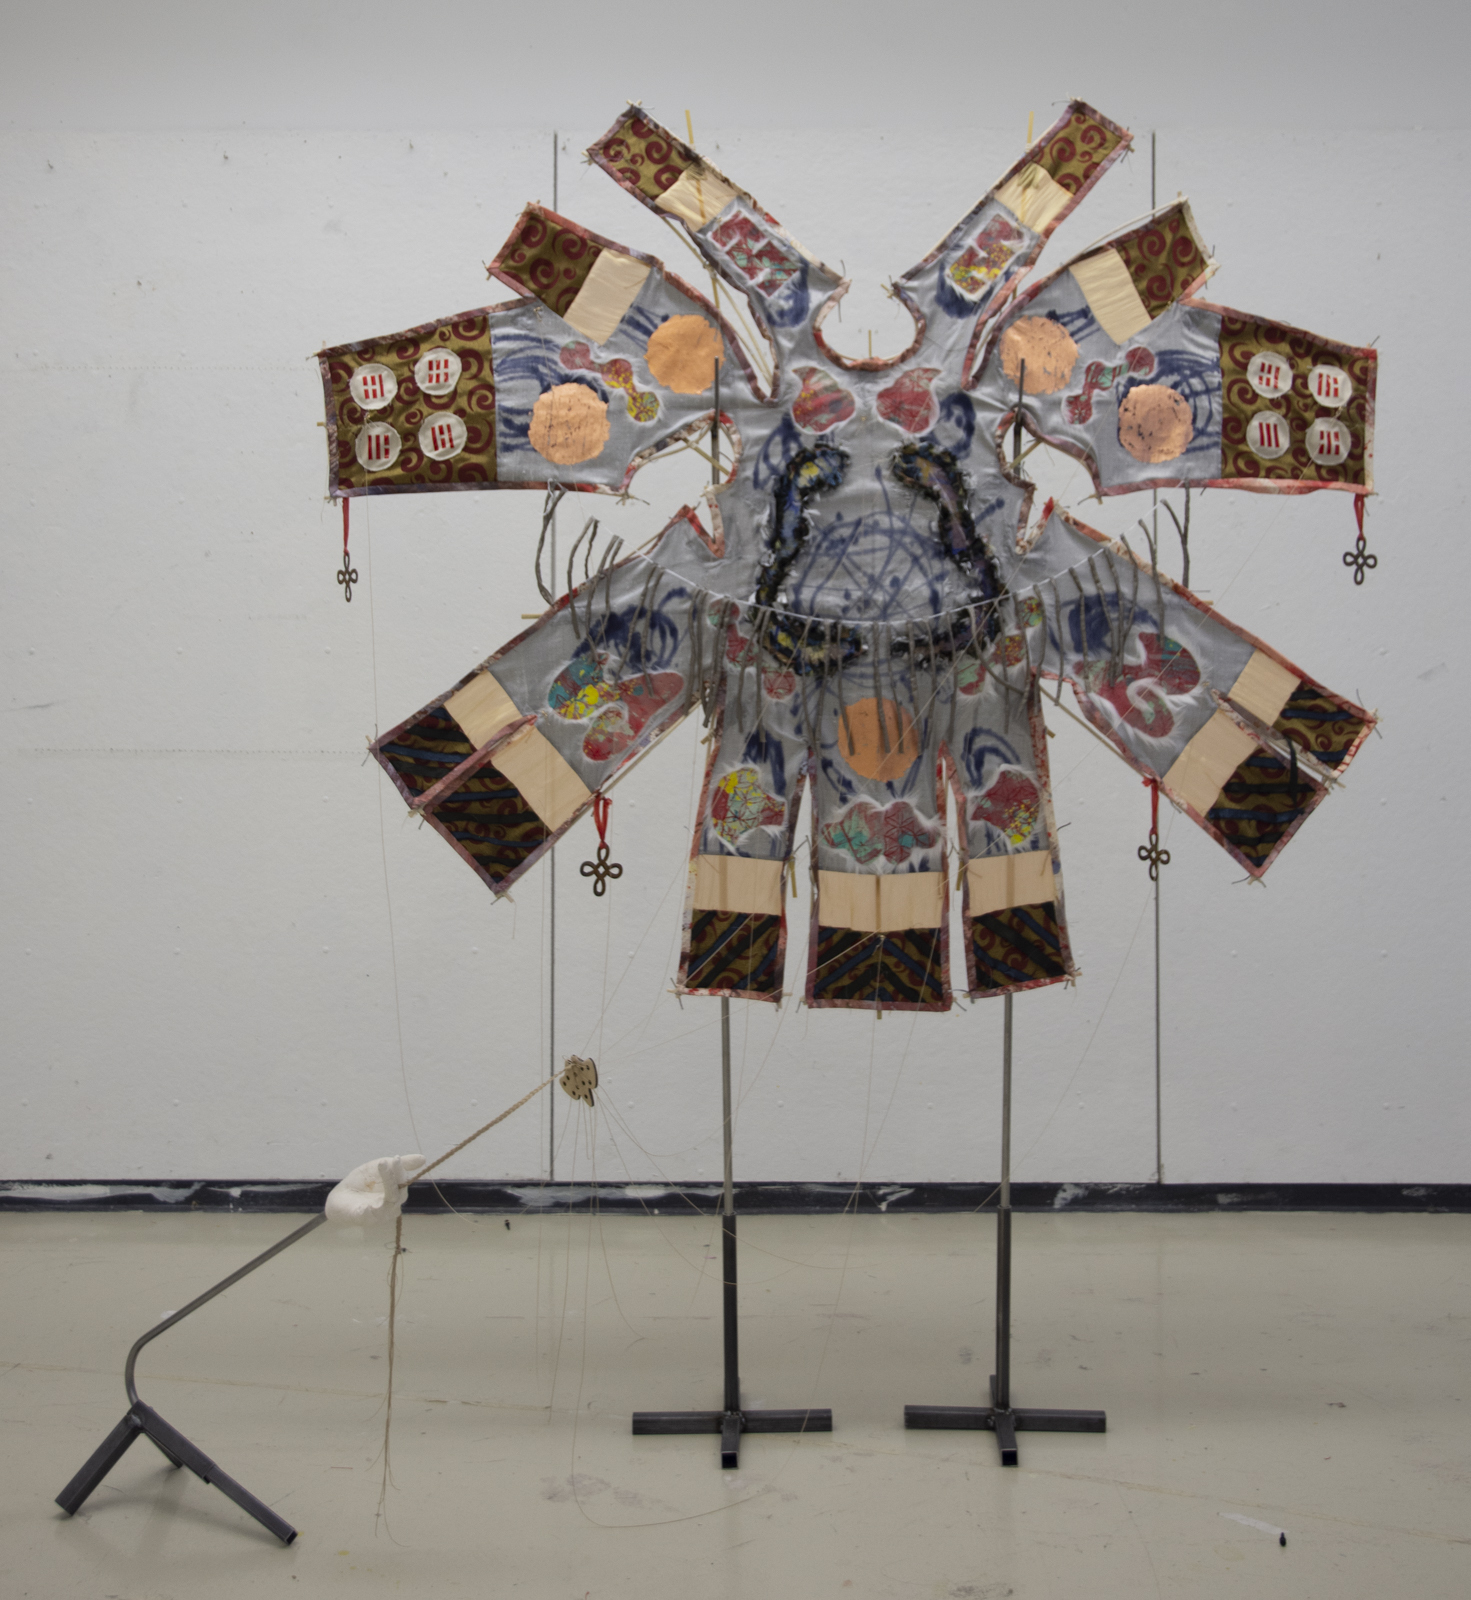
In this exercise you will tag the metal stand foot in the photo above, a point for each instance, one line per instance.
(1001, 1417)
(731, 1422)
(1005, 1421)
(181, 1452)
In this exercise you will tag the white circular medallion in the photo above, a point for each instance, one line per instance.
(1329, 441)
(378, 445)
(438, 372)
(373, 386)
(1268, 435)
(1269, 373)
(1330, 386)
(442, 436)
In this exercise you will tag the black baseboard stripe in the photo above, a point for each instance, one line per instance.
(530, 1197)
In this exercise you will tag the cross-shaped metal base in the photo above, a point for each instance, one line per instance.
(732, 1421)
(1005, 1422)
(1001, 1417)
(730, 1425)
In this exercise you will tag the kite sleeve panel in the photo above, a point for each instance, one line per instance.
(605, 363)
(1154, 389)
(969, 276)
(1243, 740)
(740, 240)
(506, 761)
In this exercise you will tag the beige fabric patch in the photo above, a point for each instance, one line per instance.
(482, 708)
(861, 743)
(1046, 347)
(569, 424)
(697, 197)
(1155, 423)
(1264, 687)
(1201, 769)
(1111, 295)
(997, 883)
(606, 294)
(1034, 197)
(682, 353)
(738, 883)
(547, 784)
(887, 904)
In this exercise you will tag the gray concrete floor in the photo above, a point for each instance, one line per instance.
(1303, 1372)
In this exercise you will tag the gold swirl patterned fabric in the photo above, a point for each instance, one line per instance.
(546, 257)
(410, 411)
(642, 156)
(1243, 339)
(1164, 259)
(1074, 154)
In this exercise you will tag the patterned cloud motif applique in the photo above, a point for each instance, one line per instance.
(621, 710)
(1012, 804)
(740, 804)
(867, 831)
(1139, 692)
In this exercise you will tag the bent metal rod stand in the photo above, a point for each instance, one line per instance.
(181, 1452)
(731, 1422)
(1001, 1417)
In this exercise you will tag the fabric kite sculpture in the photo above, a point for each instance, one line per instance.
(864, 604)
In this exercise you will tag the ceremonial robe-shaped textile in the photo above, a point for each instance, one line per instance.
(866, 604)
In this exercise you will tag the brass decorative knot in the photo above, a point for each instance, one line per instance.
(601, 870)
(347, 575)
(1156, 857)
(1360, 559)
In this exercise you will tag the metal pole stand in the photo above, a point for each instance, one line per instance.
(181, 1452)
(731, 1422)
(1001, 1417)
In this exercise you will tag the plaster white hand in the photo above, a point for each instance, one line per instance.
(374, 1190)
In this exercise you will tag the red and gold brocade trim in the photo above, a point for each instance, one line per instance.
(645, 158)
(1165, 258)
(1078, 148)
(546, 257)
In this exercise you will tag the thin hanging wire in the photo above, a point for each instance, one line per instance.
(552, 852)
(1161, 856)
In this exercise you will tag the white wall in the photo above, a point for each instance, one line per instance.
(217, 916)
